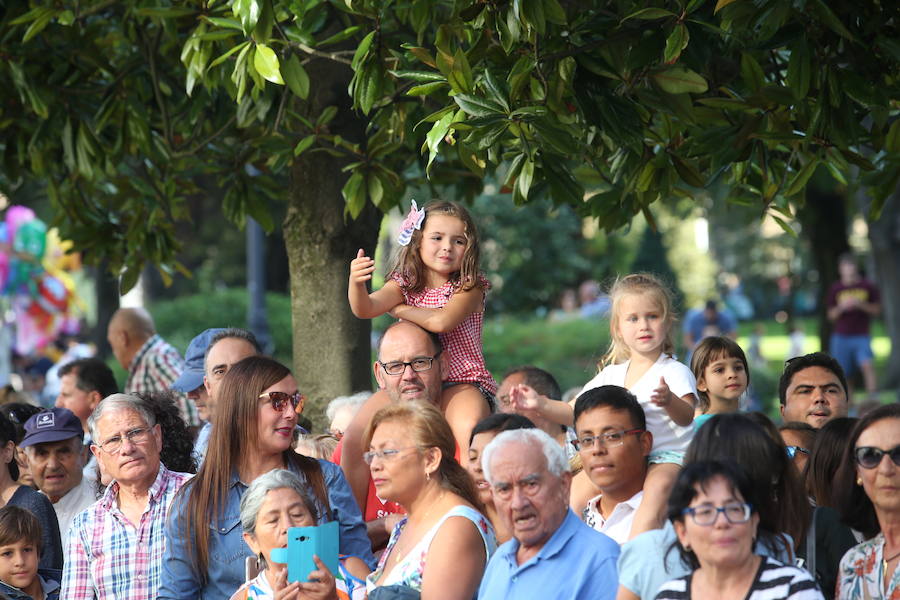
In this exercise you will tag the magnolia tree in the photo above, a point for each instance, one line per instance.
(125, 108)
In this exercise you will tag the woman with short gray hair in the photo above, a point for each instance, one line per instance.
(274, 502)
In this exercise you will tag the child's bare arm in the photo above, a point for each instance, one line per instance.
(680, 410)
(363, 304)
(525, 401)
(441, 320)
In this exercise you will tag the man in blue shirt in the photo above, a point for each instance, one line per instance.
(552, 554)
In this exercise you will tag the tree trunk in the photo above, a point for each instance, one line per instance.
(884, 235)
(824, 220)
(332, 350)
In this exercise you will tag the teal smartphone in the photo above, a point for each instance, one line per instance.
(303, 543)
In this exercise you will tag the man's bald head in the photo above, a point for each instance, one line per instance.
(406, 342)
(128, 329)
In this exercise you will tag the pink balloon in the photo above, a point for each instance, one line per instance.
(15, 216)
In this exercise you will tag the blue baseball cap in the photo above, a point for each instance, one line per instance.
(52, 425)
(192, 376)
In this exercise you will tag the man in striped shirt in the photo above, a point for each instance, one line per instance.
(114, 548)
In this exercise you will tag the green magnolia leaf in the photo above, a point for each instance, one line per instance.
(296, 77)
(687, 172)
(526, 176)
(66, 17)
(224, 23)
(722, 4)
(225, 56)
(675, 43)
(799, 69)
(375, 189)
(39, 23)
(354, 195)
(798, 183)
(362, 50)
(650, 14)
(830, 19)
(436, 135)
(892, 139)
(751, 72)
(554, 12)
(247, 11)
(477, 106)
(266, 63)
(421, 76)
(304, 144)
(680, 80)
(426, 88)
(341, 36)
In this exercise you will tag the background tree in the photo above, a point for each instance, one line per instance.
(605, 106)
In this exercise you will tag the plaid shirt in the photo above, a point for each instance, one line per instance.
(462, 343)
(107, 557)
(155, 368)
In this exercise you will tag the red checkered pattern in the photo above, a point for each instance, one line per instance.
(463, 344)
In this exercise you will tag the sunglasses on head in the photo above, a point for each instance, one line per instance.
(869, 457)
(281, 399)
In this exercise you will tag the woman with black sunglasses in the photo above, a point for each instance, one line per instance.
(869, 485)
(256, 414)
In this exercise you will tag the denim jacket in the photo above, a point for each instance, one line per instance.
(228, 551)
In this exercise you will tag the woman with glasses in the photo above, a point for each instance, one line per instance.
(782, 506)
(440, 549)
(712, 508)
(253, 434)
(868, 484)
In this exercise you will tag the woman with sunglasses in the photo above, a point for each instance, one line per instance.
(868, 484)
(256, 416)
(441, 547)
(712, 510)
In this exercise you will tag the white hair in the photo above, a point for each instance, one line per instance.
(553, 452)
(354, 402)
(117, 402)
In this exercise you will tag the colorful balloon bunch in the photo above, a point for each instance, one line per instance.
(34, 279)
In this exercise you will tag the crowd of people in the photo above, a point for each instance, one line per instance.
(651, 483)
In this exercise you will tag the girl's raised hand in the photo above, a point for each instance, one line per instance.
(361, 268)
(321, 585)
(284, 590)
(662, 395)
(525, 400)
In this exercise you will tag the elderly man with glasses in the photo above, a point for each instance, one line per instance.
(552, 554)
(114, 548)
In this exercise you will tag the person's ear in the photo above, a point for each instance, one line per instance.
(379, 375)
(95, 450)
(432, 459)
(157, 435)
(250, 540)
(683, 537)
(701, 385)
(94, 399)
(646, 439)
(781, 408)
(206, 385)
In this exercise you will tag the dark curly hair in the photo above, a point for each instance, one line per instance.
(177, 440)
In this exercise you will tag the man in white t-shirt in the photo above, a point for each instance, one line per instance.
(614, 444)
(52, 446)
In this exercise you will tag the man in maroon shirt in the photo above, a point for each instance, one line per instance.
(852, 302)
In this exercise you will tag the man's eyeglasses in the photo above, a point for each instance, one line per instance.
(135, 436)
(735, 513)
(869, 457)
(610, 439)
(793, 450)
(281, 399)
(386, 455)
(418, 364)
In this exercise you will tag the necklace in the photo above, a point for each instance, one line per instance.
(885, 561)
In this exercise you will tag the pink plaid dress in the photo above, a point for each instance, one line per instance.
(462, 344)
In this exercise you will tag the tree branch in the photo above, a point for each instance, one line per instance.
(208, 140)
(335, 56)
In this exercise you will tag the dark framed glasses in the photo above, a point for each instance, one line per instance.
(869, 457)
(281, 399)
(792, 451)
(418, 364)
(735, 513)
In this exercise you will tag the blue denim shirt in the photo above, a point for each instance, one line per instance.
(228, 551)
